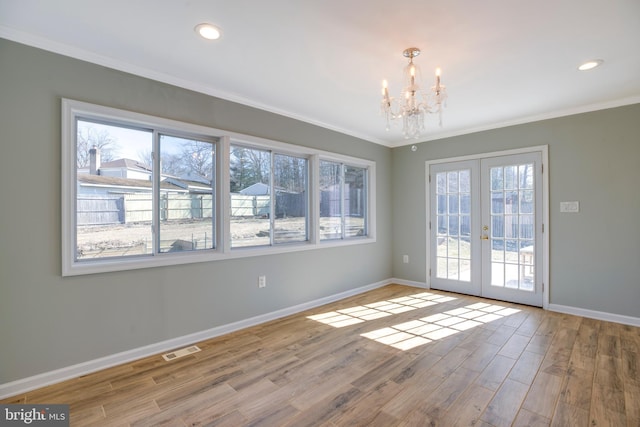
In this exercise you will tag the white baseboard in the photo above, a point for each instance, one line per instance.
(409, 283)
(593, 314)
(24, 385)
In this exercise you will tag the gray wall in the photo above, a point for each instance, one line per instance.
(47, 321)
(593, 158)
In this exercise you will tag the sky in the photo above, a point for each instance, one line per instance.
(129, 143)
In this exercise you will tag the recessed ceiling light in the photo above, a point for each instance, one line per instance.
(590, 65)
(208, 31)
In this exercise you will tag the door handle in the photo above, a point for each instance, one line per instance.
(485, 236)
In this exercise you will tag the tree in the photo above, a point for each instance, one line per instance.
(145, 157)
(248, 166)
(185, 158)
(197, 158)
(90, 137)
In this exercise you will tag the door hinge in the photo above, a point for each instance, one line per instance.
(542, 168)
(429, 225)
(429, 272)
(543, 287)
(543, 228)
(429, 178)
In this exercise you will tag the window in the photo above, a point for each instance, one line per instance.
(268, 197)
(343, 202)
(117, 201)
(141, 191)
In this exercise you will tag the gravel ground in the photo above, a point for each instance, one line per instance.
(135, 239)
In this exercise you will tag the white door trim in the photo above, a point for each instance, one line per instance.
(544, 151)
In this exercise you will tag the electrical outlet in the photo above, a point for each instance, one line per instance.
(405, 259)
(262, 281)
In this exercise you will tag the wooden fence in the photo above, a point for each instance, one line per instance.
(135, 208)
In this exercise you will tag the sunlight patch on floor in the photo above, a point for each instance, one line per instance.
(414, 333)
(358, 314)
(408, 335)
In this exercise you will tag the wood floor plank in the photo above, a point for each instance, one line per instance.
(466, 410)
(365, 407)
(543, 395)
(504, 406)
(402, 356)
(480, 357)
(332, 406)
(607, 398)
(632, 402)
(495, 373)
(526, 367)
(437, 403)
(414, 392)
(569, 415)
(514, 347)
(576, 390)
(527, 418)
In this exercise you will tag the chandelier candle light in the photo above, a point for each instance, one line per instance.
(413, 103)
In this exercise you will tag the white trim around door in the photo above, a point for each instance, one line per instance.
(473, 232)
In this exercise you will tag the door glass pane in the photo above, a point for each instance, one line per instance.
(510, 177)
(453, 209)
(512, 226)
(526, 265)
(497, 183)
(465, 181)
(497, 202)
(453, 225)
(497, 274)
(526, 176)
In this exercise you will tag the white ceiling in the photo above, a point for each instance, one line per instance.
(503, 61)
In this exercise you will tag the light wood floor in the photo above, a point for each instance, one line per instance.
(395, 356)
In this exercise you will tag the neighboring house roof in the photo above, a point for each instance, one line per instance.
(190, 185)
(257, 189)
(125, 163)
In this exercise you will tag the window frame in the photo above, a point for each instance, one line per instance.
(222, 139)
(343, 200)
(282, 150)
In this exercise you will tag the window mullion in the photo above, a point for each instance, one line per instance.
(156, 198)
(313, 187)
(224, 197)
(272, 198)
(343, 222)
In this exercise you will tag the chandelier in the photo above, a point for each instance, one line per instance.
(413, 103)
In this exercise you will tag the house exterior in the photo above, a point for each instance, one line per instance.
(120, 191)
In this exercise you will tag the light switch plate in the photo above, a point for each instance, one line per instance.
(570, 207)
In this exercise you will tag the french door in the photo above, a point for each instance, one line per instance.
(486, 227)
